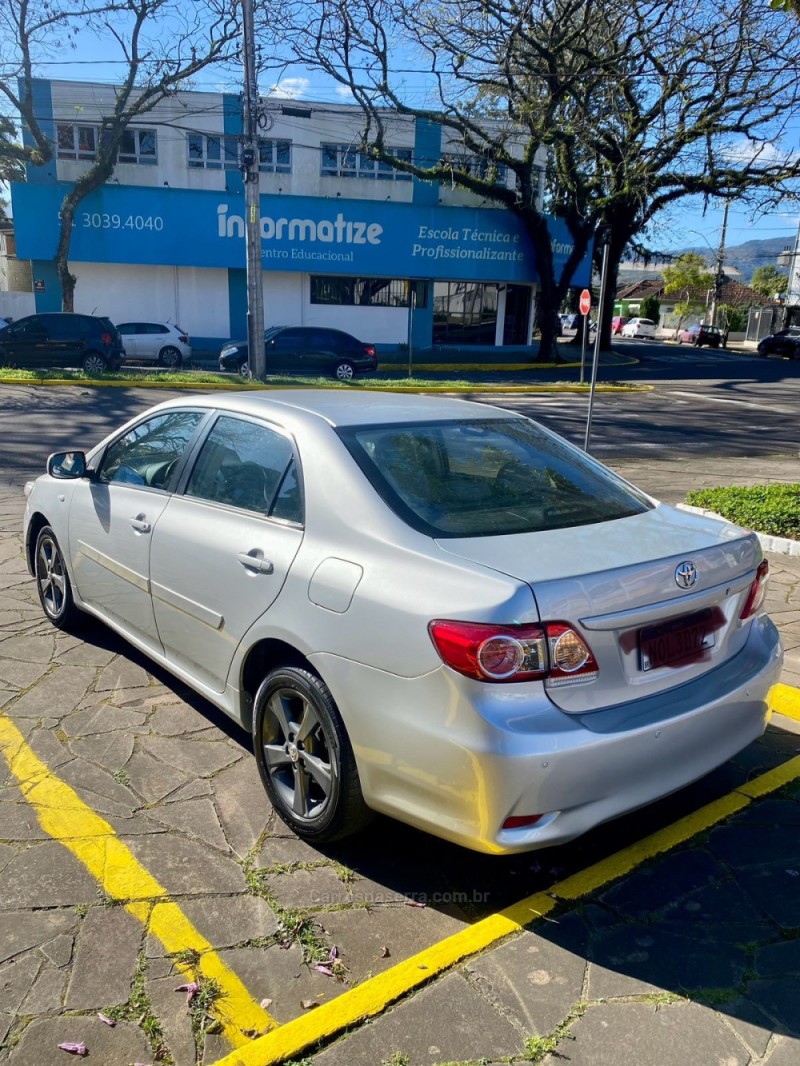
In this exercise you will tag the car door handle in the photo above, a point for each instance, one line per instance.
(254, 560)
(140, 523)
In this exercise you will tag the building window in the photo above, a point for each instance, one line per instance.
(80, 142)
(367, 292)
(76, 142)
(138, 146)
(274, 157)
(213, 153)
(224, 153)
(478, 166)
(345, 161)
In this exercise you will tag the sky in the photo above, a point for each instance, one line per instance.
(691, 224)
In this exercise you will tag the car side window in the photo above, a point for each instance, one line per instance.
(148, 454)
(243, 464)
(127, 329)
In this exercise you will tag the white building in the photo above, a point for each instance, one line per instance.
(346, 240)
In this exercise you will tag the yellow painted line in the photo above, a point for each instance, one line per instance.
(64, 816)
(784, 699)
(373, 996)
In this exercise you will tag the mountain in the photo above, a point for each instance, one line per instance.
(746, 257)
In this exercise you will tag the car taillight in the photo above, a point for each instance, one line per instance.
(183, 340)
(369, 350)
(758, 590)
(105, 338)
(552, 652)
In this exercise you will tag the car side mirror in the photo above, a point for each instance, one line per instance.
(67, 466)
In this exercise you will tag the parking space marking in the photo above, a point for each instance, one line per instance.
(374, 995)
(64, 816)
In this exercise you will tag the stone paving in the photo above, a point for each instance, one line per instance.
(691, 960)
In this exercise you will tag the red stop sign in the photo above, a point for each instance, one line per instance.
(585, 304)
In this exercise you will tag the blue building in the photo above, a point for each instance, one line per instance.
(346, 241)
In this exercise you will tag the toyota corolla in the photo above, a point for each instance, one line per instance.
(429, 608)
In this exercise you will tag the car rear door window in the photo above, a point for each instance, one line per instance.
(245, 464)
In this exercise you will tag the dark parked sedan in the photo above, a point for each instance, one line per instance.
(786, 342)
(62, 339)
(698, 335)
(311, 350)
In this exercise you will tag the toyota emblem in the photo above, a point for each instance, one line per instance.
(685, 575)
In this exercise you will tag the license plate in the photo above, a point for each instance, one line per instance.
(676, 641)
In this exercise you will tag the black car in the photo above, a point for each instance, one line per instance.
(311, 350)
(698, 335)
(786, 342)
(62, 339)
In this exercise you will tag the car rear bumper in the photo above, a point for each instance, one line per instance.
(457, 758)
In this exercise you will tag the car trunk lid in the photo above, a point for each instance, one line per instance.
(620, 584)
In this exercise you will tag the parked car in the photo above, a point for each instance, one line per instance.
(786, 342)
(62, 339)
(698, 335)
(430, 608)
(570, 320)
(639, 327)
(312, 350)
(161, 342)
(617, 322)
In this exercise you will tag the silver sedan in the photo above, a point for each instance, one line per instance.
(419, 606)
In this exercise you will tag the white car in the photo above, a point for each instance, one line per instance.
(639, 327)
(430, 608)
(155, 342)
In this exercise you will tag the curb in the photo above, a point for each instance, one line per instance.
(211, 386)
(778, 545)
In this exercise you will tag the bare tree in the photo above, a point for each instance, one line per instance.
(163, 44)
(636, 104)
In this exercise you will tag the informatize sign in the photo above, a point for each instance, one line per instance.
(202, 228)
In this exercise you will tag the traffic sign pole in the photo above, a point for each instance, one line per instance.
(604, 236)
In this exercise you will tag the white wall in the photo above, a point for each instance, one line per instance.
(287, 302)
(17, 304)
(194, 298)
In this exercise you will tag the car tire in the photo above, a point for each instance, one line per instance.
(170, 357)
(244, 368)
(344, 371)
(311, 780)
(94, 363)
(52, 582)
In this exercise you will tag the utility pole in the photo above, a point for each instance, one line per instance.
(255, 294)
(719, 275)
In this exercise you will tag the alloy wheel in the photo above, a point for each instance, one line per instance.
(298, 754)
(51, 577)
(94, 364)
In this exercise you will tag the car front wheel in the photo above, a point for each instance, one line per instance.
(305, 757)
(93, 363)
(170, 357)
(344, 371)
(244, 368)
(52, 581)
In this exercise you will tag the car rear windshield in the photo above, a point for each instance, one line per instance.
(488, 477)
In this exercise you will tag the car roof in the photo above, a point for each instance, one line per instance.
(343, 407)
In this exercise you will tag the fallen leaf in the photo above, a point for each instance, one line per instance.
(333, 954)
(385, 953)
(105, 1018)
(324, 969)
(266, 1003)
(414, 903)
(308, 1004)
(74, 1049)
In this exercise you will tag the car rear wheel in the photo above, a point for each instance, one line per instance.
(344, 371)
(94, 363)
(305, 758)
(170, 357)
(52, 582)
